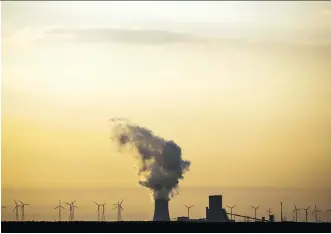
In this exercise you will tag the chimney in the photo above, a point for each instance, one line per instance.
(161, 210)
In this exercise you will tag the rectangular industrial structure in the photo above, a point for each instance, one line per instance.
(215, 211)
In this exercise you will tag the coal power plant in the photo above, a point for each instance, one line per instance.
(161, 210)
(215, 211)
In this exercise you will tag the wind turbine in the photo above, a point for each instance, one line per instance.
(328, 211)
(3, 207)
(16, 208)
(98, 210)
(316, 213)
(103, 218)
(231, 207)
(269, 212)
(255, 208)
(188, 210)
(306, 210)
(22, 209)
(71, 210)
(281, 211)
(119, 208)
(59, 207)
(296, 213)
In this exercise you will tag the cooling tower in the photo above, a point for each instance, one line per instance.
(161, 210)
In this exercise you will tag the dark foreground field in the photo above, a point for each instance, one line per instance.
(162, 227)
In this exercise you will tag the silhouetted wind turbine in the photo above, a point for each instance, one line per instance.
(119, 208)
(306, 210)
(231, 207)
(188, 210)
(255, 208)
(98, 210)
(71, 210)
(296, 213)
(328, 211)
(103, 212)
(269, 212)
(59, 207)
(16, 208)
(281, 211)
(316, 212)
(22, 209)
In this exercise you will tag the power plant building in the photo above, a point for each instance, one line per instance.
(215, 211)
(161, 210)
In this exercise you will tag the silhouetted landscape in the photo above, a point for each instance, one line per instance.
(165, 116)
(169, 227)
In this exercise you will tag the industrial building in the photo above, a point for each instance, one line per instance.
(215, 211)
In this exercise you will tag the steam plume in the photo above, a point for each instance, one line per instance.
(160, 163)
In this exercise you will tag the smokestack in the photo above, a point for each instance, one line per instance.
(161, 210)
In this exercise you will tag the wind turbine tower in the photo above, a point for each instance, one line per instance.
(231, 208)
(281, 211)
(306, 210)
(188, 210)
(98, 210)
(328, 211)
(269, 212)
(16, 209)
(59, 207)
(255, 209)
(103, 212)
(119, 208)
(316, 213)
(296, 213)
(71, 210)
(22, 209)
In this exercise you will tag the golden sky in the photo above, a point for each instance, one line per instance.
(243, 88)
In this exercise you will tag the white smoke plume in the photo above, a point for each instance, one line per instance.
(160, 164)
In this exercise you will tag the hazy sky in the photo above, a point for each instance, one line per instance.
(242, 87)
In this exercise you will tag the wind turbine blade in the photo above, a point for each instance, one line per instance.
(114, 208)
(121, 202)
(21, 202)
